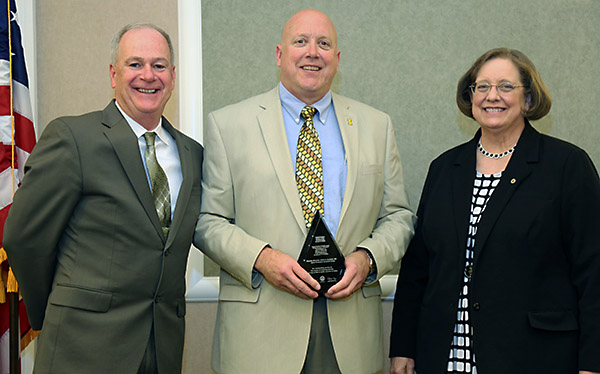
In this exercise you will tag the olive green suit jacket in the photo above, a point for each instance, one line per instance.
(250, 199)
(86, 246)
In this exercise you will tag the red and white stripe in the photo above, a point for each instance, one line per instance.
(22, 129)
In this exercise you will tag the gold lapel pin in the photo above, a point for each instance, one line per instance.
(349, 121)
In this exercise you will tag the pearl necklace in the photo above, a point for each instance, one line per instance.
(494, 155)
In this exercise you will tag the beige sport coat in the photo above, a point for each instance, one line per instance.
(250, 199)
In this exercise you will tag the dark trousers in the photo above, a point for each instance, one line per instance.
(148, 365)
(320, 358)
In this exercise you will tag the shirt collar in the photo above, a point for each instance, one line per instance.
(293, 105)
(140, 130)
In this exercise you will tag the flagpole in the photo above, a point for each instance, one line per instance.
(15, 351)
(13, 297)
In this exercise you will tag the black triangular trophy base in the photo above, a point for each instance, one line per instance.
(320, 256)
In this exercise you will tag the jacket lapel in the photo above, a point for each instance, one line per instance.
(462, 191)
(185, 159)
(518, 169)
(271, 124)
(126, 148)
(348, 124)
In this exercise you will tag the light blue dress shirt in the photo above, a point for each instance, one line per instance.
(332, 149)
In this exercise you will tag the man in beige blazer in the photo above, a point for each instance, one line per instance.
(100, 274)
(270, 319)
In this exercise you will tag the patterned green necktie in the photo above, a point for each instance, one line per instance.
(309, 167)
(160, 184)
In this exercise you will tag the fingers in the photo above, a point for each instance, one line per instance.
(349, 283)
(282, 271)
(357, 268)
(299, 282)
(402, 365)
(305, 277)
(341, 288)
(410, 366)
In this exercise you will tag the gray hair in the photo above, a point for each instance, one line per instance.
(116, 41)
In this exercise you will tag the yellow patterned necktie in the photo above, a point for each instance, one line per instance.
(309, 167)
(160, 184)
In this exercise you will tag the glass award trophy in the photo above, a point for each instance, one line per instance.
(320, 256)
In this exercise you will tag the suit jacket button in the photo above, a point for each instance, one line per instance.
(476, 306)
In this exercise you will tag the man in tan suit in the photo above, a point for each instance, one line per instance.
(270, 319)
(101, 268)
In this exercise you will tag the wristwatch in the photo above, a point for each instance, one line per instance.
(372, 267)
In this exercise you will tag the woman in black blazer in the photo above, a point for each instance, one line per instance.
(503, 274)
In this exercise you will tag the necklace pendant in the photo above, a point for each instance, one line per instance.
(468, 271)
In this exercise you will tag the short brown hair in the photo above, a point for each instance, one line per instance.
(535, 90)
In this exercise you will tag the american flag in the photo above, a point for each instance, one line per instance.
(17, 138)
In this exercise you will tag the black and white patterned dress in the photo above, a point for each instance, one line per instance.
(462, 356)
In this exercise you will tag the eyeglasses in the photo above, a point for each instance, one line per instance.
(484, 87)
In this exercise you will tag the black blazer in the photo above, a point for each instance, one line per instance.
(535, 291)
